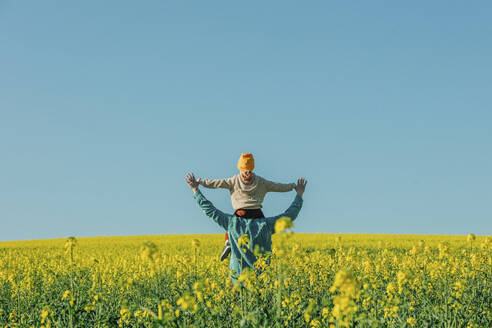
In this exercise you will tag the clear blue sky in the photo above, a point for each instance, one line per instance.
(385, 107)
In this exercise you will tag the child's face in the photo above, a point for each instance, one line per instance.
(247, 176)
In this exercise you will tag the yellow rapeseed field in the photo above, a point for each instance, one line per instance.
(310, 280)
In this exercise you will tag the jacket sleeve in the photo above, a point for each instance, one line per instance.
(278, 187)
(209, 209)
(291, 213)
(217, 183)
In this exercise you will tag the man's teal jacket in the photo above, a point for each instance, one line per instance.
(260, 231)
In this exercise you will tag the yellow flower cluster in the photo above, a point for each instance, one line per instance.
(187, 302)
(195, 243)
(282, 224)
(346, 288)
(243, 240)
(148, 251)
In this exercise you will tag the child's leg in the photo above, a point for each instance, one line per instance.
(227, 248)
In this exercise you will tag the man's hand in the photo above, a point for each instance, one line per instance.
(301, 186)
(191, 181)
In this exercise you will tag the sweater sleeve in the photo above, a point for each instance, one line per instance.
(209, 209)
(291, 213)
(278, 187)
(217, 183)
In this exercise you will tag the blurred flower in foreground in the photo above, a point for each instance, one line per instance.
(195, 243)
(148, 250)
(283, 224)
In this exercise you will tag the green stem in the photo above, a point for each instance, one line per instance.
(195, 261)
(280, 277)
(72, 288)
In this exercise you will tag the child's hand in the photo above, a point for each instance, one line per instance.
(301, 186)
(191, 181)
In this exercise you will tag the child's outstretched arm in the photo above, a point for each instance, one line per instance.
(278, 187)
(218, 216)
(216, 183)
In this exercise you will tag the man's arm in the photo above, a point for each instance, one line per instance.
(216, 183)
(293, 209)
(278, 187)
(219, 217)
(209, 209)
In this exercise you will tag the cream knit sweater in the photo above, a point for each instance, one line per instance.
(245, 196)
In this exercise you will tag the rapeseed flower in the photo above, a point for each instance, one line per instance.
(195, 243)
(283, 224)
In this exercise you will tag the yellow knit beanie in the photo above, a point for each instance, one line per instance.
(246, 162)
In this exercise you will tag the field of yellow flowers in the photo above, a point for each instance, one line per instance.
(312, 280)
